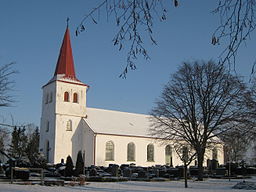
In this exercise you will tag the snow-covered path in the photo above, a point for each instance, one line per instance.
(211, 185)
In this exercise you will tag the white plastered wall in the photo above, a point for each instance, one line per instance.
(48, 115)
(69, 142)
(120, 151)
(58, 113)
(120, 154)
(89, 145)
(70, 108)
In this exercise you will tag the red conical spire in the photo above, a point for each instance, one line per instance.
(65, 64)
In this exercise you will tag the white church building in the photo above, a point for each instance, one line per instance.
(104, 136)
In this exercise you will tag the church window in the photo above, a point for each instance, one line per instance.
(66, 96)
(46, 98)
(69, 125)
(50, 100)
(47, 126)
(215, 153)
(109, 151)
(168, 155)
(150, 152)
(75, 98)
(131, 152)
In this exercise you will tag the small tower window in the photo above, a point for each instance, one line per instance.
(46, 98)
(66, 96)
(50, 100)
(69, 125)
(47, 126)
(75, 98)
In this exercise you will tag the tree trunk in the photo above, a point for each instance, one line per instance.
(186, 175)
(200, 158)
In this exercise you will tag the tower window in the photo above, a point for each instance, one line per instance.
(69, 125)
(46, 98)
(50, 98)
(47, 126)
(66, 96)
(75, 98)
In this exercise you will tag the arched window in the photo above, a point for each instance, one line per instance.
(75, 98)
(168, 155)
(47, 126)
(185, 153)
(150, 152)
(69, 125)
(131, 152)
(66, 96)
(215, 153)
(109, 151)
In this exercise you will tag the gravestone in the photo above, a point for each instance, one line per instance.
(114, 170)
(193, 171)
(127, 172)
(141, 173)
(93, 172)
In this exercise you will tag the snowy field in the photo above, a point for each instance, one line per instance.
(210, 185)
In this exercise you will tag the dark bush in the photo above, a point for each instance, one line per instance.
(69, 167)
(79, 164)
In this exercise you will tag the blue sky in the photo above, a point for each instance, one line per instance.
(31, 34)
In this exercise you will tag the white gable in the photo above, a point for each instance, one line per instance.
(118, 123)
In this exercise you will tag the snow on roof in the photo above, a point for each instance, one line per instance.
(118, 123)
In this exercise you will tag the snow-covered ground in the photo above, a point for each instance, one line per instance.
(210, 185)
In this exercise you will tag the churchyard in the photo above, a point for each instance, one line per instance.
(126, 177)
(209, 185)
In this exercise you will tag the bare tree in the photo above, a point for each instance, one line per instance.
(199, 103)
(244, 138)
(237, 22)
(250, 103)
(186, 155)
(6, 84)
(135, 19)
(3, 137)
(236, 144)
(3, 142)
(254, 153)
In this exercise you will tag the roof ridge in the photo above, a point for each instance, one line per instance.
(110, 110)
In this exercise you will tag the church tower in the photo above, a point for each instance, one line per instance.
(63, 108)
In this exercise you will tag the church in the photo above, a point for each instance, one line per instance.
(103, 136)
